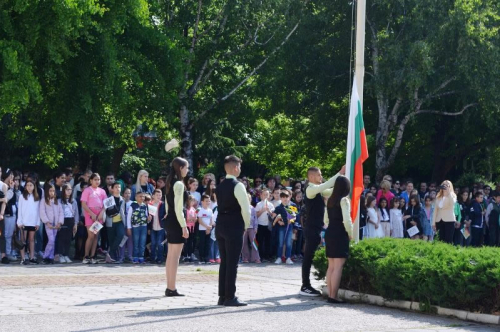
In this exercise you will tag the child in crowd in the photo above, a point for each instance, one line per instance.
(52, 216)
(373, 229)
(191, 219)
(428, 209)
(276, 197)
(81, 231)
(193, 186)
(396, 217)
(116, 222)
(264, 210)
(69, 228)
(214, 248)
(476, 214)
(93, 204)
(298, 235)
(129, 245)
(284, 226)
(384, 216)
(205, 220)
(250, 252)
(139, 220)
(412, 216)
(157, 232)
(28, 219)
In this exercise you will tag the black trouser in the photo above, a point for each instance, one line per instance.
(115, 237)
(104, 239)
(446, 231)
(64, 236)
(458, 237)
(493, 240)
(204, 245)
(229, 234)
(476, 233)
(312, 237)
(264, 241)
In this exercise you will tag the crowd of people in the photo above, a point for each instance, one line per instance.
(467, 216)
(122, 219)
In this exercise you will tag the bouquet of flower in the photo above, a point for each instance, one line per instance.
(291, 212)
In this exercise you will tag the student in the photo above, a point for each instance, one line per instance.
(363, 216)
(191, 219)
(93, 206)
(249, 252)
(81, 230)
(276, 197)
(83, 179)
(129, 245)
(337, 235)
(28, 219)
(384, 216)
(157, 232)
(59, 181)
(205, 220)
(427, 212)
(284, 224)
(493, 219)
(175, 224)
(264, 210)
(214, 254)
(52, 216)
(298, 230)
(407, 194)
(116, 222)
(71, 218)
(396, 217)
(193, 186)
(412, 216)
(464, 202)
(476, 214)
(142, 184)
(139, 219)
(373, 228)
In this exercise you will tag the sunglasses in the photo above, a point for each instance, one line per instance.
(397, 183)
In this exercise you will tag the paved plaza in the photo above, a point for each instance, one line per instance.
(79, 297)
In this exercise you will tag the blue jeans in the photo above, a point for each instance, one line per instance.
(157, 238)
(214, 251)
(139, 235)
(288, 241)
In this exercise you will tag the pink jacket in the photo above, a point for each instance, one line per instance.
(388, 195)
(52, 213)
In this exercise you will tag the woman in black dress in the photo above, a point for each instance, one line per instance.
(175, 224)
(338, 235)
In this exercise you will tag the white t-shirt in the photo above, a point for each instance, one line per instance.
(263, 219)
(206, 218)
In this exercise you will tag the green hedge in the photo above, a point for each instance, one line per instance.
(429, 273)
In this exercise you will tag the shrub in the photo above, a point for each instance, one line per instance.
(429, 273)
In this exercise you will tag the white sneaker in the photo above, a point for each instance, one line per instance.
(66, 258)
(86, 261)
(62, 260)
(278, 260)
(289, 261)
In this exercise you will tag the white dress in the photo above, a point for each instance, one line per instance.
(371, 232)
(397, 229)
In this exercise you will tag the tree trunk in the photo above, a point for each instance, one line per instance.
(186, 137)
(118, 153)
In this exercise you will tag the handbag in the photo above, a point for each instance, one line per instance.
(18, 240)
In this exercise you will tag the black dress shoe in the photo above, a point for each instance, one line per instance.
(171, 293)
(221, 300)
(234, 303)
(335, 301)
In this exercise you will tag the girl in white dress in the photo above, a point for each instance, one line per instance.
(397, 229)
(373, 227)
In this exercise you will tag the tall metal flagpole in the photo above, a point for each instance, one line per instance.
(359, 71)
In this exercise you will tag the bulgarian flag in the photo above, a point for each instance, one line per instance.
(357, 150)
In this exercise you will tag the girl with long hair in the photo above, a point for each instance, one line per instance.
(52, 216)
(93, 206)
(177, 232)
(28, 219)
(338, 235)
(71, 218)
